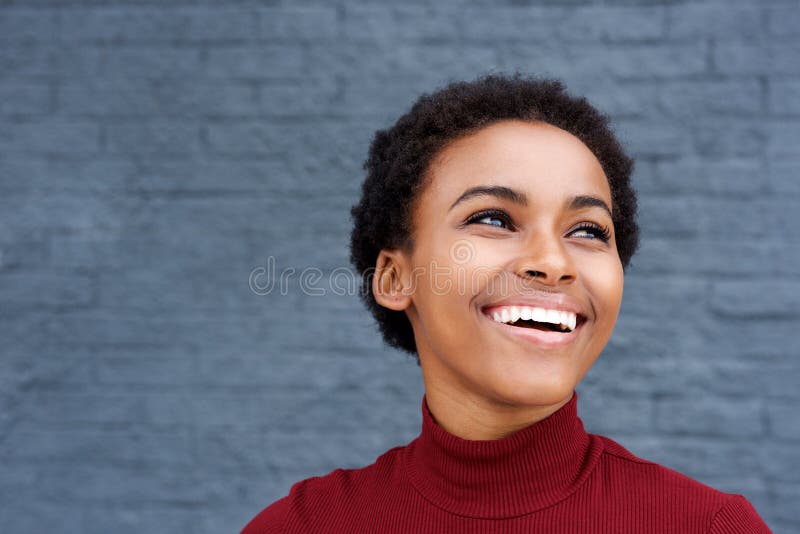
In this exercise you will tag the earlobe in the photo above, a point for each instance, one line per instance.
(387, 284)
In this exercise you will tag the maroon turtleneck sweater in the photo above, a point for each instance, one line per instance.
(551, 477)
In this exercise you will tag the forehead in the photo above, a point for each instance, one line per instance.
(541, 159)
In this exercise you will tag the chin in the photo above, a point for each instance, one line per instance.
(534, 392)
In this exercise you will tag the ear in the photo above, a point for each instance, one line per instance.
(390, 284)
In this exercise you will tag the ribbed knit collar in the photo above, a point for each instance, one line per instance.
(525, 471)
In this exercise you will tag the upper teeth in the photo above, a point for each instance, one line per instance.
(510, 314)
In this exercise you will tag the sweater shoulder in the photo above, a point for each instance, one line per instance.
(738, 516)
(717, 511)
(270, 520)
(321, 496)
(635, 470)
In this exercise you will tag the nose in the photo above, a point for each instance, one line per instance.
(545, 259)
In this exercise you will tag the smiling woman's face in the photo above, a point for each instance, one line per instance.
(542, 246)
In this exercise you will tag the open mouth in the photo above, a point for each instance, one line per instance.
(554, 331)
(537, 319)
(539, 325)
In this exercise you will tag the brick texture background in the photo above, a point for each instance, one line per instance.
(153, 154)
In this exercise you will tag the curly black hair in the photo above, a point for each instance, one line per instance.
(399, 158)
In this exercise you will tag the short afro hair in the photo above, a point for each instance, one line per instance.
(400, 156)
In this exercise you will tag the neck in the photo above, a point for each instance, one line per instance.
(471, 417)
(524, 471)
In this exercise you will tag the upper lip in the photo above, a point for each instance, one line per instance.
(550, 301)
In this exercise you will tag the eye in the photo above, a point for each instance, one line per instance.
(600, 232)
(497, 215)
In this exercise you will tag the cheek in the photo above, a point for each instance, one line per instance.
(605, 281)
(477, 269)
(439, 291)
(445, 295)
(455, 271)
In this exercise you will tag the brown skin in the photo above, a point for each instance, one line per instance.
(481, 383)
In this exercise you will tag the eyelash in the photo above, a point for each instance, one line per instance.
(604, 234)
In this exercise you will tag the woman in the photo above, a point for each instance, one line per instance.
(495, 224)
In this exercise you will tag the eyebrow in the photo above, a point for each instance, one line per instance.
(499, 191)
(588, 201)
(518, 197)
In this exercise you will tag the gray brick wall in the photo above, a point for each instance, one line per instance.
(153, 154)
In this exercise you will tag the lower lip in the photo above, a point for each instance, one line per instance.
(541, 338)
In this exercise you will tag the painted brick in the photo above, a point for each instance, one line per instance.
(284, 99)
(630, 101)
(768, 298)
(708, 176)
(632, 414)
(264, 62)
(140, 486)
(24, 99)
(34, 215)
(150, 62)
(298, 24)
(782, 176)
(108, 448)
(24, 60)
(708, 256)
(130, 518)
(17, 252)
(719, 20)
(643, 141)
(768, 58)
(699, 457)
(784, 97)
(722, 137)
(145, 98)
(699, 98)
(646, 61)
(672, 293)
(605, 23)
(28, 26)
(75, 60)
(331, 139)
(783, 20)
(156, 136)
(50, 135)
(19, 174)
(493, 24)
(744, 217)
(787, 516)
(786, 454)
(740, 418)
(131, 24)
(669, 216)
(434, 62)
(28, 289)
(154, 158)
(782, 420)
(781, 140)
(21, 515)
(732, 337)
